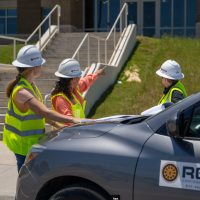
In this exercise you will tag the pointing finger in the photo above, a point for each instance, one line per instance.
(104, 68)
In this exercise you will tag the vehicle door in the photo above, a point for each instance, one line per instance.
(169, 168)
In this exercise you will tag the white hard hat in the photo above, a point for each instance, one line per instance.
(170, 69)
(29, 56)
(69, 68)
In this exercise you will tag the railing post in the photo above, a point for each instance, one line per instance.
(49, 26)
(14, 46)
(88, 51)
(98, 50)
(120, 24)
(106, 52)
(58, 19)
(40, 38)
(78, 56)
(25, 43)
(114, 37)
(126, 15)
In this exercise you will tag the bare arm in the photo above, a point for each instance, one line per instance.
(37, 107)
(54, 124)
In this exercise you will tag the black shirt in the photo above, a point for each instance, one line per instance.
(176, 95)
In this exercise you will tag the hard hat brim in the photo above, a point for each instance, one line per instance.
(19, 64)
(159, 73)
(72, 76)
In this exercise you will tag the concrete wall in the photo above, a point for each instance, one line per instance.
(8, 3)
(71, 14)
(29, 16)
(102, 83)
(46, 3)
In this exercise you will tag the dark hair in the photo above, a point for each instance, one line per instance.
(22, 72)
(62, 85)
(172, 81)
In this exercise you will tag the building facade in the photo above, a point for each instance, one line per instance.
(153, 17)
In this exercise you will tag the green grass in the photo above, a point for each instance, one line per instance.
(148, 56)
(7, 54)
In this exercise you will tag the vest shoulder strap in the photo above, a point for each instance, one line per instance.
(71, 100)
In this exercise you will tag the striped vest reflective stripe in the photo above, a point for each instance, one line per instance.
(22, 130)
(168, 97)
(77, 109)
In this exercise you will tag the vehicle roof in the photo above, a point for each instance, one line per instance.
(156, 121)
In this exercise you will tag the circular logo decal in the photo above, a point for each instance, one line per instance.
(170, 172)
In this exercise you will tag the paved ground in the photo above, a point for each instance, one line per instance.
(8, 173)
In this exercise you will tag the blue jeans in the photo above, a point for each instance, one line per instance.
(20, 161)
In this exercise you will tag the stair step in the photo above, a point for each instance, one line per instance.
(2, 118)
(44, 75)
(3, 102)
(1, 135)
(81, 55)
(3, 110)
(4, 82)
(3, 95)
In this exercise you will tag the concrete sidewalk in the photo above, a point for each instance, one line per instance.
(8, 173)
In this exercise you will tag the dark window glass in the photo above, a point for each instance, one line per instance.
(149, 32)
(194, 129)
(102, 11)
(191, 13)
(178, 32)
(12, 13)
(149, 19)
(2, 26)
(190, 32)
(2, 13)
(12, 26)
(114, 12)
(46, 11)
(165, 13)
(165, 32)
(178, 13)
(132, 13)
(89, 14)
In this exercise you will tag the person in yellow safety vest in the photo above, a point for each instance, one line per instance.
(174, 91)
(26, 114)
(66, 95)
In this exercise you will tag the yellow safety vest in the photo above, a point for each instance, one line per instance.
(168, 97)
(22, 130)
(77, 109)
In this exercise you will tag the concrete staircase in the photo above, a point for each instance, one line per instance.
(62, 46)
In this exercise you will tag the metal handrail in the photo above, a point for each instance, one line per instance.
(38, 28)
(88, 35)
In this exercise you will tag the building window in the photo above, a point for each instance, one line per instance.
(46, 11)
(100, 15)
(178, 17)
(8, 21)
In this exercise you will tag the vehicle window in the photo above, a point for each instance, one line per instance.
(163, 130)
(194, 129)
(187, 114)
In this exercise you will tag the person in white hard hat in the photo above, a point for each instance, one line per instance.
(66, 95)
(26, 114)
(174, 91)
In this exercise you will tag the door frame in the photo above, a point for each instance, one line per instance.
(140, 13)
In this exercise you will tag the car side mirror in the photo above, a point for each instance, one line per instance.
(174, 124)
